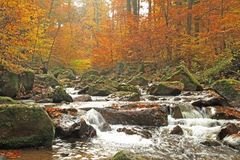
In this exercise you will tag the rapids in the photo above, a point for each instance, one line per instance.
(196, 125)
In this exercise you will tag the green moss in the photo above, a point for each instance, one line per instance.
(126, 96)
(138, 80)
(127, 87)
(24, 126)
(60, 95)
(7, 100)
(190, 82)
(123, 155)
(230, 89)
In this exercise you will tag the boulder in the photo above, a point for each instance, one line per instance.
(9, 83)
(99, 90)
(229, 89)
(7, 100)
(24, 125)
(127, 88)
(210, 142)
(46, 80)
(227, 130)
(183, 75)
(219, 112)
(138, 80)
(27, 80)
(166, 89)
(60, 95)
(83, 98)
(67, 74)
(176, 112)
(213, 99)
(232, 141)
(125, 96)
(67, 127)
(143, 117)
(177, 130)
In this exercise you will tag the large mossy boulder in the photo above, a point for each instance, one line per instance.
(60, 95)
(183, 75)
(9, 83)
(138, 80)
(46, 80)
(126, 155)
(229, 89)
(25, 126)
(166, 89)
(7, 100)
(27, 80)
(100, 90)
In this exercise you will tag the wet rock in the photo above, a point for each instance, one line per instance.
(176, 112)
(60, 95)
(70, 127)
(125, 155)
(183, 75)
(7, 100)
(232, 141)
(142, 117)
(138, 80)
(24, 125)
(189, 111)
(136, 131)
(125, 96)
(228, 130)
(214, 100)
(177, 130)
(55, 112)
(229, 89)
(83, 98)
(210, 142)
(219, 112)
(166, 89)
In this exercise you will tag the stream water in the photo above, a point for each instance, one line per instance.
(196, 126)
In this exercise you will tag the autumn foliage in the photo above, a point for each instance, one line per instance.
(82, 34)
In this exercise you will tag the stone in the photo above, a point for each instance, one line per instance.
(220, 112)
(24, 125)
(166, 89)
(176, 112)
(83, 98)
(136, 131)
(142, 117)
(183, 75)
(60, 95)
(226, 130)
(126, 155)
(229, 89)
(138, 80)
(177, 130)
(233, 141)
(127, 87)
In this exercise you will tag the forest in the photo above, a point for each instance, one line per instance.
(119, 79)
